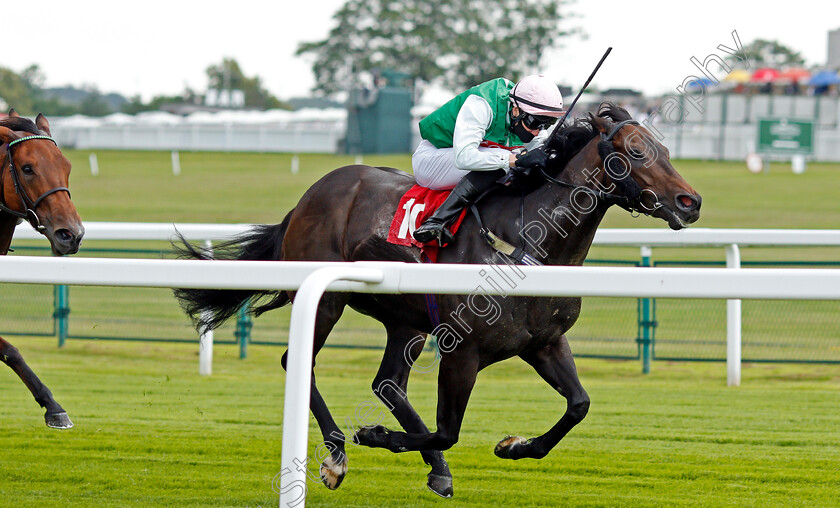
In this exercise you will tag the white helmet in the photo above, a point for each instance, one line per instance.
(537, 95)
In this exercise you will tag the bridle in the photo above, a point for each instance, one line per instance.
(631, 193)
(630, 200)
(28, 205)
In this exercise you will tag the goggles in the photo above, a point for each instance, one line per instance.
(536, 122)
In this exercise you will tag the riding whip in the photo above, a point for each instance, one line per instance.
(583, 88)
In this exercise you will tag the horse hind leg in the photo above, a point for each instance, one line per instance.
(55, 417)
(456, 378)
(334, 466)
(555, 364)
(390, 385)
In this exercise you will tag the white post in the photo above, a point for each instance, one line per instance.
(733, 324)
(292, 481)
(176, 163)
(295, 164)
(205, 342)
(205, 353)
(359, 160)
(94, 164)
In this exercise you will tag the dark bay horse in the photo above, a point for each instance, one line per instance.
(34, 176)
(346, 217)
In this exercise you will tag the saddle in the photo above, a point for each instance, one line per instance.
(418, 203)
(415, 206)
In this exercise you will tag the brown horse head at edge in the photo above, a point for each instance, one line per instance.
(37, 190)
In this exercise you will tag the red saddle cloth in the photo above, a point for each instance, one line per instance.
(415, 207)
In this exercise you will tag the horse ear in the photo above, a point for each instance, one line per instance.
(600, 123)
(12, 112)
(7, 135)
(42, 124)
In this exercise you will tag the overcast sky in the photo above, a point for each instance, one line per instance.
(160, 47)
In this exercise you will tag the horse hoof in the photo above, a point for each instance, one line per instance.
(58, 421)
(440, 485)
(372, 436)
(332, 472)
(506, 445)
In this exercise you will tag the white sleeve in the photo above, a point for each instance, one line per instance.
(471, 124)
(540, 139)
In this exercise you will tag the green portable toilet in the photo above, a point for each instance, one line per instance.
(379, 118)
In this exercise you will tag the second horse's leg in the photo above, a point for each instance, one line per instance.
(555, 364)
(55, 417)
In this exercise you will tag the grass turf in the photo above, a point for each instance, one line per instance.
(151, 432)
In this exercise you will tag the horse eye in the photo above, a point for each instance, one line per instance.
(27, 169)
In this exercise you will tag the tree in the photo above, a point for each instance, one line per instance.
(15, 91)
(228, 76)
(458, 43)
(767, 53)
(94, 104)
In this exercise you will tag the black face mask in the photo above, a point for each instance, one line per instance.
(519, 129)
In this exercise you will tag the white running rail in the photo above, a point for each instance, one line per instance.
(731, 239)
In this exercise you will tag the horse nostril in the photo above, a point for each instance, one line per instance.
(688, 202)
(65, 236)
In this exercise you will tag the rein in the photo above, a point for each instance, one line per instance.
(630, 201)
(28, 205)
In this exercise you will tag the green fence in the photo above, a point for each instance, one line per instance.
(620, 328)
(805, 331)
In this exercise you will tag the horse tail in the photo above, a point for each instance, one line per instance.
(210, 308)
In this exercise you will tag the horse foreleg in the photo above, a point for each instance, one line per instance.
(55, 416)
(390, 385)
(456, 379)
(556, 365)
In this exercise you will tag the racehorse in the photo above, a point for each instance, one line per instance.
(346, 217)
(34, 167)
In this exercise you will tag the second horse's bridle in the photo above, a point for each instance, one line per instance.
(28, 205)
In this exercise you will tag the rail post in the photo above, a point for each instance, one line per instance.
(243, 330)
(61, 314)
(733, 324)
(292, 476)
(646, 340)
(205, 341)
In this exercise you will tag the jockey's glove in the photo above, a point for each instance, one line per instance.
(536, 158)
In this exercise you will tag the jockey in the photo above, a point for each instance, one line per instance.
(474, 139)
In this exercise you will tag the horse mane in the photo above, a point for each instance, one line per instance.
(19, 123)
(570, 138)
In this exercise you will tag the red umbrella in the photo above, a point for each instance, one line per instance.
(765, 75)
(795, 74)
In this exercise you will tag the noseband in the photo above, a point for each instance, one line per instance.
(28, 205)
(630, 198)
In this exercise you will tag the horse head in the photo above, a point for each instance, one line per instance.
(639, 168)
(34, 177)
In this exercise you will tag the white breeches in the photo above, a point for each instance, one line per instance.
(435, 167)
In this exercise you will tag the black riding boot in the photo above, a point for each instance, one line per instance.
(469, 188)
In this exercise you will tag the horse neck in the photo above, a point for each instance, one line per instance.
(7, 222)
(7, 230)
(569, 217)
